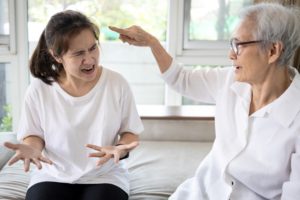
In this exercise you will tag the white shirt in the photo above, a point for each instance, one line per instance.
(253, 157)
(68, 123)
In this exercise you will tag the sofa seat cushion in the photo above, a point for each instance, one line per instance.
(13, 182)
(157, 168)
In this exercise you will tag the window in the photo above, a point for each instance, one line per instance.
(4, 24)
(198, 34)
(13, 62)
(211, 22)
(136, 64)
(5, 97)
(195, 32)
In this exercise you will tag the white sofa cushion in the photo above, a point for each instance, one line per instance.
(157, 168)
(13, 182)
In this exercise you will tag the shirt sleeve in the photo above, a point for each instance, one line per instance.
(291, 189)
(131, 121)
(30, 121)
(200, 84)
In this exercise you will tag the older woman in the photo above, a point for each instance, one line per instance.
(256, 153)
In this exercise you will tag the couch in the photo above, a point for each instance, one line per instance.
(170, 150)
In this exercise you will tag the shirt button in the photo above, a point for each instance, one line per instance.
(232, 183)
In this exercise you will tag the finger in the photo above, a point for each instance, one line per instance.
(98, 154)
(95, 147)
(132, 145)
(127, 39)
(11, 145)
(45, 160)
(104, 159)
(118, 30)
(13, 160)
(26, 164)
(116, 158)
(37, 163)
(129, 146)
(135, 43)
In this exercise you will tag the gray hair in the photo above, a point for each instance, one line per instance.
(274, 23)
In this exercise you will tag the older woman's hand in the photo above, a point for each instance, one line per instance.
(108, 152)
(135, 35)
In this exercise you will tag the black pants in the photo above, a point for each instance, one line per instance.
(65, 191)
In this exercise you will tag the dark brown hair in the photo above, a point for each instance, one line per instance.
(60, 29)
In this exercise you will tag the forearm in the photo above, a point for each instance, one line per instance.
(163, 59)
(127, 138)
(35, 142)
(128, 141)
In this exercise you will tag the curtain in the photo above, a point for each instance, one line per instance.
(296, 59)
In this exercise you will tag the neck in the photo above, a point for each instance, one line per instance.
(76, 87)
(270, 89)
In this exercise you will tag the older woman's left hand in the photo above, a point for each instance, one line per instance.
(108, 152)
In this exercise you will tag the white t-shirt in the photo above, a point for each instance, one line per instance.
(68, 123)
(254, 157)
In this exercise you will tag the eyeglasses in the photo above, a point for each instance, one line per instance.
(234, 45)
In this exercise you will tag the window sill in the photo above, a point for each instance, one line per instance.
(202, 112)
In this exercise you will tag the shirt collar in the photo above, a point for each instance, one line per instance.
(284, 109)
(287, 106)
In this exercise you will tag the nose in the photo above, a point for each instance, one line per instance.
(232, 55)
(88, 58)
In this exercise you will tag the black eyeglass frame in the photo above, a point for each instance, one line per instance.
(235, 45)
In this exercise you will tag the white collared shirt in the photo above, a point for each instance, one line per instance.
(253, 157)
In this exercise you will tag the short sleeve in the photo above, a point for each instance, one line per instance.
(131, 121)
(30, 121)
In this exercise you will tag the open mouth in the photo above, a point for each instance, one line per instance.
(89, 69)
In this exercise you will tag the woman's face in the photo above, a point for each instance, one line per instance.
(81, 60)
(251, 63)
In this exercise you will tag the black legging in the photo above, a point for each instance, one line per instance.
(65, 191)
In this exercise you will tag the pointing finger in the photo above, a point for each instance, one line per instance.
(118, 30)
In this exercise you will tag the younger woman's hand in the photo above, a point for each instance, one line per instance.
(28, 154)
(108, 152)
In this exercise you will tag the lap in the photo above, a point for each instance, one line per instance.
(64, 191)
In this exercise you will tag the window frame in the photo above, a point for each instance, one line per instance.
(8, 42)
(16, 54)
(193, 52)
(189, 56)
(199, 52)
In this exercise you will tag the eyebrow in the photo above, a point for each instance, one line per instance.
(82, 51)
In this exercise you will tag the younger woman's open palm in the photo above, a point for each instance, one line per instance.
(28, 154)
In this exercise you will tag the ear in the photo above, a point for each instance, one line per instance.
(58, 59)
(275, 51)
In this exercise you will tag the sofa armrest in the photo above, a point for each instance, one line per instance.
(6, 154)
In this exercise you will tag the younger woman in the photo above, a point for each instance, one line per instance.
(79, 118)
